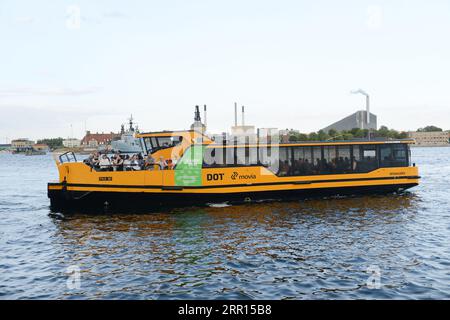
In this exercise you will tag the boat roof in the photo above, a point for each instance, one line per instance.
(320, 143)
(165, 133)
(230, 143)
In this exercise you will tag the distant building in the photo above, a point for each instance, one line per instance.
(94, 140)
(436, 138)
(22, 145)
(72, 143)
(356, 120)
(40, 147)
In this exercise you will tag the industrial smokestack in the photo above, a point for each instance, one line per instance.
(367, 104)
(235, 114)
(197, 114)
(243, 120)
(204, 114)
(368, 110)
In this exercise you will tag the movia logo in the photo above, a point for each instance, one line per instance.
(236, 175)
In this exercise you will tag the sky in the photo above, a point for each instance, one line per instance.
(67, 66)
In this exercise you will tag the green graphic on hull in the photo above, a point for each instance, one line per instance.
(188, 171)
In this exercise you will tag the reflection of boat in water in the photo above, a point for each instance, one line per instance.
(127, 143)
(206, 170)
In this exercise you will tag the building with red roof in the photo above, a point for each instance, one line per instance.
(94, 140)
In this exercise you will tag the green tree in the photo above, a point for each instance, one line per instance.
(383, 131)
(429, 129)
(332, 133)
(322, 135)
(53, 143)
(303, 137)
(313, 136)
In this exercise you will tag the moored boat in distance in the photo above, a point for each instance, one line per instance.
(127, 143)
(191, 168)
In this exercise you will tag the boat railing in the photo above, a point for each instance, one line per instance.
(67, 157)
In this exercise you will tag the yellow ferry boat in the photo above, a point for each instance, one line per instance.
(191, 168)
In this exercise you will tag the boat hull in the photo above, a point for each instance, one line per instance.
(61, 198)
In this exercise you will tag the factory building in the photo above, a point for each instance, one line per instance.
(356, 120)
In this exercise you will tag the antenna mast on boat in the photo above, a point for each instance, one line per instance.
(197, 114)
(204, 114)
(198, 125)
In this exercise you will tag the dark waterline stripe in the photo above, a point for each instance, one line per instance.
(228, 185)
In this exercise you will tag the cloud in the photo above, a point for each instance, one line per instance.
(20, 92)
(115, 15)
(25, 20)
(38, 121)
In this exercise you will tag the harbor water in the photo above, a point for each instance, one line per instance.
(370, 247)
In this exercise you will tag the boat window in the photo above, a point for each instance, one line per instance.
(264, 156)
(231, 156)
(241, 156)
(368, 159)
(310, 160)
(317, 160)
(247, 156)
(214, 157)
(356, 157)
(343, 156)
(285, 162)
(167, 142)
(154, 144)
(302, 161)
(394, 155)
(148, 144)
(329, 160)
(252, 156)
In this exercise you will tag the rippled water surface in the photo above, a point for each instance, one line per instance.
(311, 249)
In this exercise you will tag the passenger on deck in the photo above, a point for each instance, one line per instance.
(308, 167)
(149, 163)
(354, 164)
(89, 160)
(105, 163)
(118, 163)
(162, 163)
(284, 168)
(297, 167)
(135, 165)
(318, 166)
(93, 160)
(127, 163)
(169, 164)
